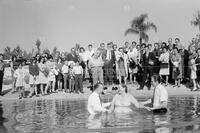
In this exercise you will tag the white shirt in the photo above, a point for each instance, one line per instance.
(133, 54)
(160, 95)
(95, 105)
(77, 70)
(108, 57)
(84, 56)
(65, 69)
(88, 54)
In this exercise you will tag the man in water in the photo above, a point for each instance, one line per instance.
(160, 96)
(95, 104)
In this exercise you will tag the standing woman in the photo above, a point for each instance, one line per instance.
(59, 77)
(164, 66)
(34, 77)
(43, 73)
(1, 73)
(176, 71)
(122, 62)
(20, 80)
(13, 67)
(133, 56)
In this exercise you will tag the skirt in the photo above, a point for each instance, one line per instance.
(20, 82)
(42, 78)
(33, 81)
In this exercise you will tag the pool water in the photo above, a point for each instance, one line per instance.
(62, 116)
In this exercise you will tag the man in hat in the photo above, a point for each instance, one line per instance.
(1, 73)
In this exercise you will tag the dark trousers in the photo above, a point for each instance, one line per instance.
(1, 81)
(65, 78)
(79, 82)
(108, 67)
(148, 71)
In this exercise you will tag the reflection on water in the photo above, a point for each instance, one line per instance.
(52, 116)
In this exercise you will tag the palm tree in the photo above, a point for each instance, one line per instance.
(196, 20)
(140, 27)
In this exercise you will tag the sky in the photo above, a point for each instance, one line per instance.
(63, 23)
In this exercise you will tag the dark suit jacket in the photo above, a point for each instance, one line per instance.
(71, 57)
(146, 59)
(113, 58)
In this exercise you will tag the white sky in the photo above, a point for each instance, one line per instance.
(63, 23)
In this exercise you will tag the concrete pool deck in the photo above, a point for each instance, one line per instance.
(173, 91)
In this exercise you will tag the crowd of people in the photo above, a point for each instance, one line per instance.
(108, 64)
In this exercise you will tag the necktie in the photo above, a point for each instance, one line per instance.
(100, 100)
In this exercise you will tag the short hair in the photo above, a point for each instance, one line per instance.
(82, 48)
(177, 39)
(143, 44)
(90, 45)
(165, 47)
(134, 42)
(97, 85)
(149, 44)
(125, 87)
(156, 77)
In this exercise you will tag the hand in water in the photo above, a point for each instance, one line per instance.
(148, 108)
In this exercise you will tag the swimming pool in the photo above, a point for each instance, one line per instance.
(62, 116)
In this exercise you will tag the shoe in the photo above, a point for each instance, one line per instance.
(140, 88)
(82, 92)
(194, 89)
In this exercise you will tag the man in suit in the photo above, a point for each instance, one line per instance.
(148, 59)
(72, 56)
(109, 60)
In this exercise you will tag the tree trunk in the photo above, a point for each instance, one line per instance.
(140, 41)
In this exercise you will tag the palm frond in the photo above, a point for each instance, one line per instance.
(150, 25)
(139, 20)
(131, 31)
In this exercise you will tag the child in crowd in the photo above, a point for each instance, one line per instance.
(20, 74)
(52, 79)
(193, 74)
(65, 70)
(78, 72)
(34, 77)
(59, 77)
(71, 77)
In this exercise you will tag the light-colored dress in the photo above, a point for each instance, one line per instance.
(52, 75)
(176, 61)
(164, 58)
(122, 103)
(193, 72)
(133, 55)
(20, 74)
(122, 64)
(42, 78)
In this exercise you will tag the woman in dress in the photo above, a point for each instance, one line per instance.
(122, 101)
(34, 77)
(164, 66)
(19, 75)
(122, 62)
(133, 56)
(43, 73)
(193, 74)
(59, 77)
(176, 69)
